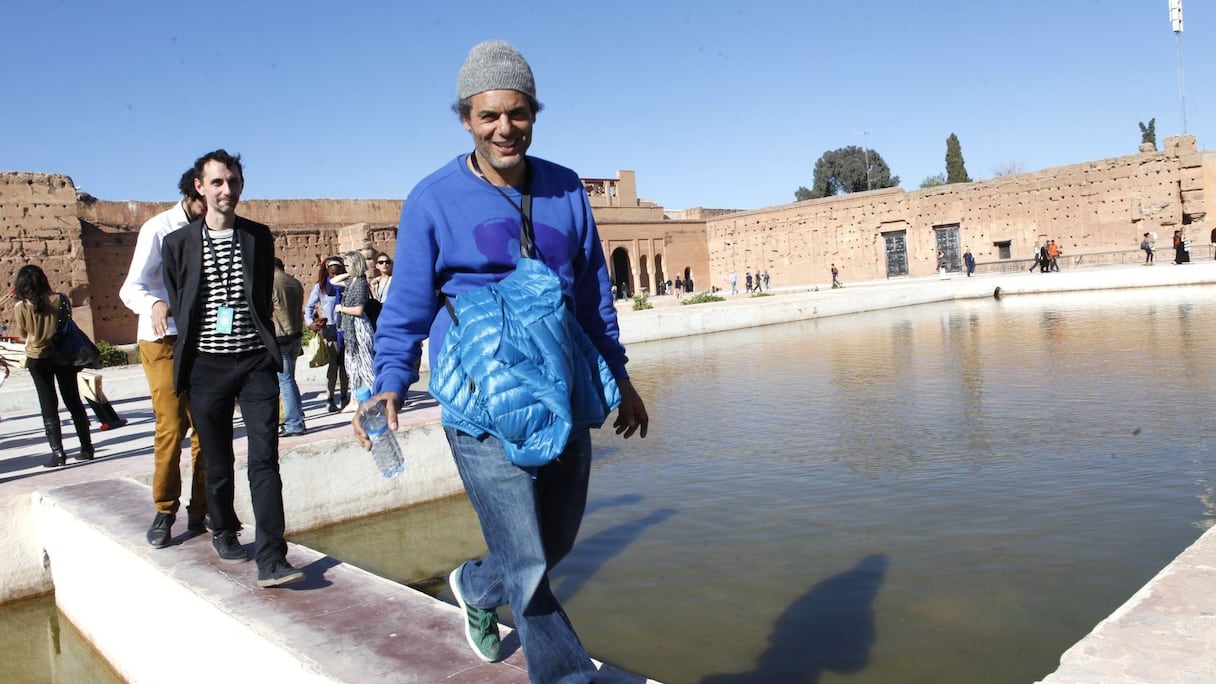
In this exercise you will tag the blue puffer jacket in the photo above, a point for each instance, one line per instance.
(518, 366)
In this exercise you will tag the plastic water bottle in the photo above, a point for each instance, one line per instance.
(385, 449)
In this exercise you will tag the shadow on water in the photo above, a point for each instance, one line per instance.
(608, 545)
(609, 502)
(828, 629)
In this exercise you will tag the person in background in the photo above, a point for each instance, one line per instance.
(969, 262)
(37, 317)
(384, 263)
(1147, 245)
(1035, 264)
(462, 229)
(1181, 254)
(320, 317)
(835, 276)
(144, 292)
(355, 327)
(219, 273)
(369, 254)
(288, 316)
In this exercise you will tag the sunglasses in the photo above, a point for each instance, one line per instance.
(384, 261)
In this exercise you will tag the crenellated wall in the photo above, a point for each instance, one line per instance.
(38, 225)
(1093, 207)
(305, 232)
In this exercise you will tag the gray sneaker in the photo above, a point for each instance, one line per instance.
(480, 625)
(228, 548)
(278, 574)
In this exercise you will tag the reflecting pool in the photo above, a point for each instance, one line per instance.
(39, 645)
(944, 493)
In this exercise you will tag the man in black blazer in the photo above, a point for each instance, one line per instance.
(219, 273)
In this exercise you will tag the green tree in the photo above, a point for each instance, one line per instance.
(956, 170)
(933, 181)
(844, 170)
(1148, 134)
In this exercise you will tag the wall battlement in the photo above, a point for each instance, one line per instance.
(1087, 208)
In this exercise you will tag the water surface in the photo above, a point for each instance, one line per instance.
(944, 493)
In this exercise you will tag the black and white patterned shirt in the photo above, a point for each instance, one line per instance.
(223, 284)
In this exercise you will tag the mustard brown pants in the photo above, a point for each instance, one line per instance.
(173, 420)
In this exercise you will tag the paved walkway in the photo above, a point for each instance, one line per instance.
(121, 452)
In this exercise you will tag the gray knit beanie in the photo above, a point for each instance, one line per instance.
(494, 65)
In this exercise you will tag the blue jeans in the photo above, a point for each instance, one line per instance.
(529, 522)
(293, 413)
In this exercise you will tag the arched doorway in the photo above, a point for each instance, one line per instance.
(644, 276)
(622, 273)
(660, 281)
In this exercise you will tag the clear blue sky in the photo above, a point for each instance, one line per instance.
(714, 104)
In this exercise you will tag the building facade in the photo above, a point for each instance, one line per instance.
(1096, 212)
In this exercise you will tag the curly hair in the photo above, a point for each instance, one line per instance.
(232, 161)
(186, 185)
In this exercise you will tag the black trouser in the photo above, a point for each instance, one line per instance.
(217, 383)
(335, 374)
(45, 374)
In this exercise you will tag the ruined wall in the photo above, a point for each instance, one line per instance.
(641, 246)
(1094, 207)
(305, 232)
(38, 225)
(640, 253)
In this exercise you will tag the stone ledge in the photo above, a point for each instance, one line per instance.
(1166, 632)
(341, 624)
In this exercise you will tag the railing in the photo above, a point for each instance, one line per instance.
(1120, 258)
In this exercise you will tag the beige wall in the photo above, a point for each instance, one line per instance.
(86, 247)
(38, 225)
(1089, 208)
(1093, 208)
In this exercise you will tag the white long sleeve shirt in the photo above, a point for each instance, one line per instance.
(145, 285)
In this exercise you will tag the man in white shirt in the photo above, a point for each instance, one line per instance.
(144, 293)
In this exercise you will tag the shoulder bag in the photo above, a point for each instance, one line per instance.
(69, 345)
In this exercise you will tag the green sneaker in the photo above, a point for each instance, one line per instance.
(480, 625)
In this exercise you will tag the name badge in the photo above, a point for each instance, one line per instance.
(223, 320)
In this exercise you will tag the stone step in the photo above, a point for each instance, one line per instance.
(135, 604)
(179, 613)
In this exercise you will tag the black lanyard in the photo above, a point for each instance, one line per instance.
(227, 273)
(527, 238)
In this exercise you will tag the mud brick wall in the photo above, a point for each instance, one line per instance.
(304, 230)
(1093, 207)
(1088, 208)
(38, 225)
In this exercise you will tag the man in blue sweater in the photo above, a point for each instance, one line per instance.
(460, 229)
